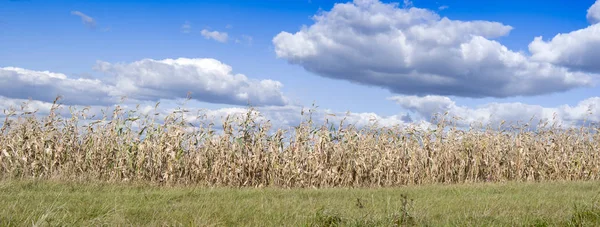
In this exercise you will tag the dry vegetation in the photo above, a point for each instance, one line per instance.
(133, 147)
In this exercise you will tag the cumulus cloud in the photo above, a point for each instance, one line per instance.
(494, 113)
(577, 50)
(87, 20)
(414, 51)
(19, 105)
(46, 86)
(593, 13)
(215, 35)
(42, 108)
(280, 117)
(208, 80)
(289, 116)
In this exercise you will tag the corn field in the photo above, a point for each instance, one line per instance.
(126, 147)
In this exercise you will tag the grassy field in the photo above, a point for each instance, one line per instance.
(174, 170)
(50, 203)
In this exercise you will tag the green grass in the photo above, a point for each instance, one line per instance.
(47, 203)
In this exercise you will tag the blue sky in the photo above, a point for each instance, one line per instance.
(49, 36)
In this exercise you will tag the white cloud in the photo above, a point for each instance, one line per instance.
(246, 39)
(415, 52)
(46, 86)
(43, 108)
(494, 113)
(286, 117)
(578, 50)
(32, 105)
(280, 117)
(289, 116)
(208, 80)
(87, 20)
(593, 13)
(186, 27)
(215, 35)
(443, 7)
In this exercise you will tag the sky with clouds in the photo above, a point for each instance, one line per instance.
(394, 62)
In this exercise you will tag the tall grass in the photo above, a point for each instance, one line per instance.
(128, 146)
